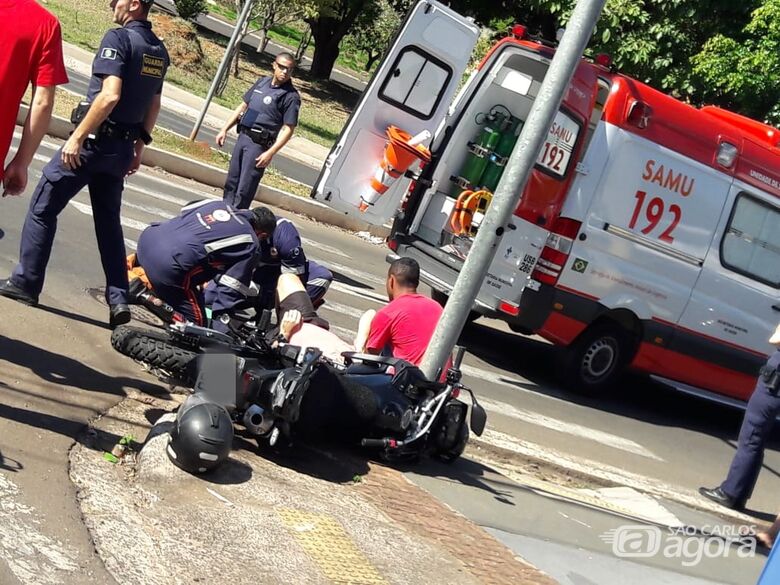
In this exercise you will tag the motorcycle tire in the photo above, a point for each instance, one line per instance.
(157, 350)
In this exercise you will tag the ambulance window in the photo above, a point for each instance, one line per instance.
(751, 245)
(416, 82)
(598, 110)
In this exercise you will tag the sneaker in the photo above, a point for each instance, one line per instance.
(718, 496)
(10, 290)
(118, 314)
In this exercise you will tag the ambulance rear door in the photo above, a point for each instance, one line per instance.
(411, 89)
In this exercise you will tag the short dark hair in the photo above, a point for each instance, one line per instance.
(288, 56)
(263, 220)
(406, 272)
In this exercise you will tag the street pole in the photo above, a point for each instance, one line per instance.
(223, 65)
(518, 170)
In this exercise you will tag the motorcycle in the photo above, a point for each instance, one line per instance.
(289, 392)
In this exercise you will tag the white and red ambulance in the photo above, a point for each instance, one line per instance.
(649, 232)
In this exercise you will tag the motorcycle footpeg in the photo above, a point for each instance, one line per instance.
(379, 443)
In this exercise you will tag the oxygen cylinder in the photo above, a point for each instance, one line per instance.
(496, 160)
(479, 150)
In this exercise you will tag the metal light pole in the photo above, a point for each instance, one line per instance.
(222, 66)
(518, 170)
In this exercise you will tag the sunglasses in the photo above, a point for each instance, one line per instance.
(284, 68)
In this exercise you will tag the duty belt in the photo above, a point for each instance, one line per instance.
(259, 136)
(109, 128)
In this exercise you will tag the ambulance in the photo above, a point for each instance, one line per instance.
(648, 235)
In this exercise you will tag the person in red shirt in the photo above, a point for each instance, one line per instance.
(403, 327)
(31, 53)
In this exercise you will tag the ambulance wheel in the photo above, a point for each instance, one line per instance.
(155, 349)
(597, 357)
(442, 298)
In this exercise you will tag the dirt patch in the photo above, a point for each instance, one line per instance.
(181, 40)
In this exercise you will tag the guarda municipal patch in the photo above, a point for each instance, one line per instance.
(108, 53)
(152, 66)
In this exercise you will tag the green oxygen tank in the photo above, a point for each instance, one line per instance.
(479, 151)
(497, 159)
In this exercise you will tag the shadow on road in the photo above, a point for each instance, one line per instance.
(8, 464)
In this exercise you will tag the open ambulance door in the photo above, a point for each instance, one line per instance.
(411, 89)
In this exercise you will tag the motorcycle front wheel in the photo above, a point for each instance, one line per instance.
(157, 350)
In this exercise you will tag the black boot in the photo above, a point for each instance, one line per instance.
(118, 314)
(10, 290)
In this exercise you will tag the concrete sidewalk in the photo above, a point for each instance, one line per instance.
(190, 105)
(293, 515)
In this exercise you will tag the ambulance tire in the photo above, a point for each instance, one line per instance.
(155, 349)
(441, 298)
(594, 362)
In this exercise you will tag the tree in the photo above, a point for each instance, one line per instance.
(188, 9)
(742, 72)
(373, 30)
(264, 15)
(329, 25)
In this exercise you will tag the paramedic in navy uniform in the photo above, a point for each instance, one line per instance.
(112, 127)
(266, 121)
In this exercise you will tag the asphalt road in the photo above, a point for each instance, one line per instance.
(59, 371)
(183, 125)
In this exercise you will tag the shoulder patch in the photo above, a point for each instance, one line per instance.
(108, 53)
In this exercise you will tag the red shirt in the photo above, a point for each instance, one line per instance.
(406, 325)
(31, 52)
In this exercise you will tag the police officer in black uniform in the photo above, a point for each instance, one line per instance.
(112, 127)
(266, 121)
(762, 410)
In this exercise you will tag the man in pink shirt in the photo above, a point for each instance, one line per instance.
(405, 325)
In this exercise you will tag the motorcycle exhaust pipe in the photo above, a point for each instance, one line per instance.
(255, 420)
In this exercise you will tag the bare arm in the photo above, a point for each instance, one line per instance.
(150, 119)
(364, 328)
(230, 122)
(35, 127)
(103, 104)
(281, 139)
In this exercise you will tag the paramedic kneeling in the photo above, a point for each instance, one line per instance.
(208, 239)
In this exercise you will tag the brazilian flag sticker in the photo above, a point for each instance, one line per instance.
(579, 265)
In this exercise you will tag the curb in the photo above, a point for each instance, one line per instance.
(215, 177)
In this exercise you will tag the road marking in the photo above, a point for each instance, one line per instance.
(330, 547)
(569, 428)
(334, 307)
(367, 295)
(358, 274)
(126, 221)
(32, 557)
(147, 209)
(323, 247)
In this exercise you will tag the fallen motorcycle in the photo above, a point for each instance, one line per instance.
(290, 392)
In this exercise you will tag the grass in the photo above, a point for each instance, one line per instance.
(195, 56)
(199, 151)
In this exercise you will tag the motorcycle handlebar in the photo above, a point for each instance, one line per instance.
(377, 442)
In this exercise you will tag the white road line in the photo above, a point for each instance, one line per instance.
(147, 209)
(334, 307)
(358, 292)
(32, 556)
(345, 334)
(358, 274)
(323, 247)
(126, 221)
(202, 194)
(569, 428)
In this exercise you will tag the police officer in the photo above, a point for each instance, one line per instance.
(266, 120)
(113, 125)
(208, 239)
(762, 409)
(281, 251)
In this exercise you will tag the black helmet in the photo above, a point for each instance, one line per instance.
(202, 436)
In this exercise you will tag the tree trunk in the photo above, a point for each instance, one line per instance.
(328, 32)
(303, 45)
(372, 58)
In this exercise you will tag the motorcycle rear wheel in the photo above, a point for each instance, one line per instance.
(157, 350)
